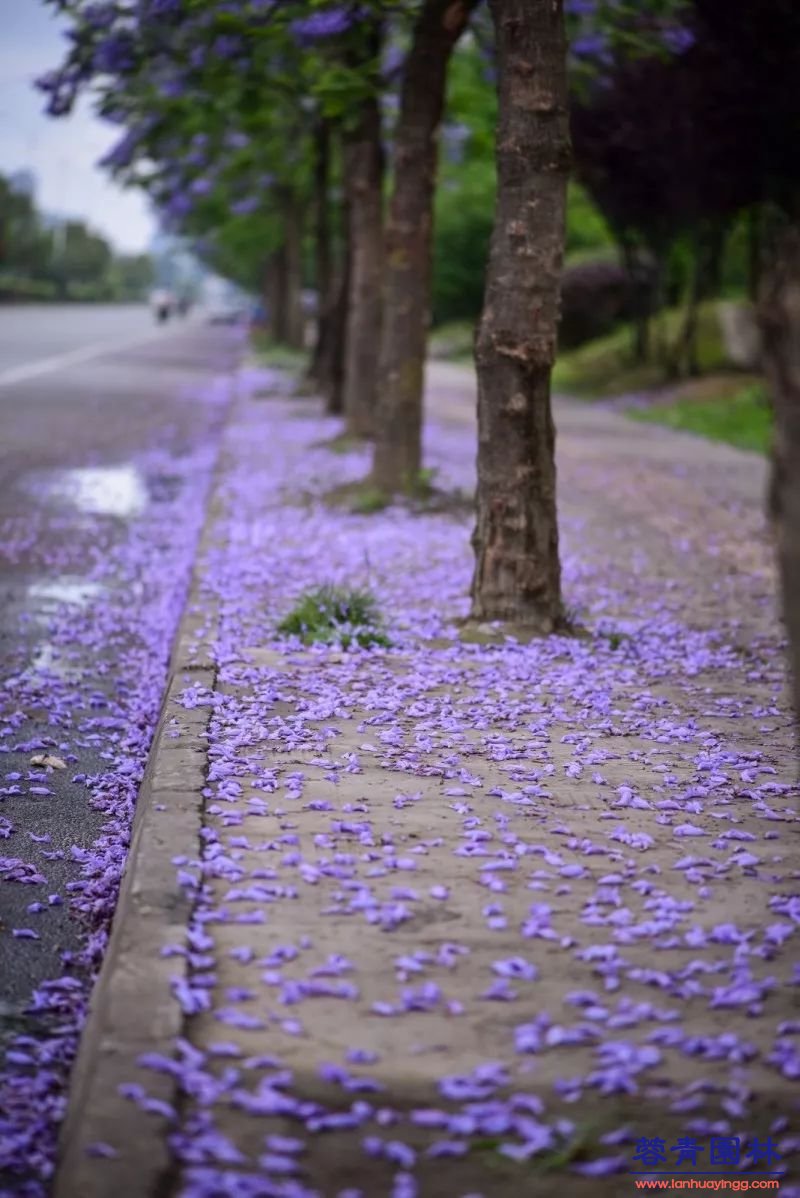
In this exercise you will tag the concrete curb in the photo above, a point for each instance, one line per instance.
(132, 1009)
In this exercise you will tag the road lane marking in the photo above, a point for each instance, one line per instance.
(32, 370)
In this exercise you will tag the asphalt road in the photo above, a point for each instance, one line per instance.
(36, 339)
(82, 389)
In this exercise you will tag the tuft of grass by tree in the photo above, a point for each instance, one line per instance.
(335, 615)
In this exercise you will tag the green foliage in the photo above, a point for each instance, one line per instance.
(464, 215)
(19, 287)
(425, 482)
(736, 261)
(280, 357)
(606, 366)
(743, 419)
(588, 234)
(367, 500)
(464, 210)
(132, 276)
(333, 615)
(25, 247)
(453, 342)
(82, 257)
(216, 132)
(68, 262)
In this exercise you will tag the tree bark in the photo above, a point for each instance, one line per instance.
(398, 446)
(517, 571)
(708, 245)
(323, 256)
(294, 320)
(779, 314)
(334, 367)
(278, 322)
(271, 294)
(363, 162)
(637, 303)
(683, 357)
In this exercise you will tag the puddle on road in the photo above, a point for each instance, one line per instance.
(48, 660)
(107, 490)
(76, 591)
(45, 661)
(38, 604)
(100, 490)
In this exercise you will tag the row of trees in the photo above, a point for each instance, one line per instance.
(681, 151)
(42, 259)
(245, 120)
(250, 121)
(693, 189)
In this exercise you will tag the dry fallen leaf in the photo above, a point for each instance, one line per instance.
(54, 763)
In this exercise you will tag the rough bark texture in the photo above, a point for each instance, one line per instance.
(517, 572)
(364, 182)
(398, 446)
(779, 312)
(323, 258)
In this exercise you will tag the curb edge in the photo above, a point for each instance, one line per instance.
(132, 1009)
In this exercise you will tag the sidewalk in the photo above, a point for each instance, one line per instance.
(468, 918)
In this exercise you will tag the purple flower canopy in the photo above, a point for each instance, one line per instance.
(245, 206)
(324, 24)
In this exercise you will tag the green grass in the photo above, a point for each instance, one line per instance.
(340, 444)
(270, 353)
(332, 615)
(722, 405)
(742, 419)
(605, 367)
(367, 500)
(453, 342)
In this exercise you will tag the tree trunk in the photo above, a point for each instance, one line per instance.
(293, 274)
(779, 313)
(638, 300)
(398, 447)
(323, 261)
(270, 293)
(334, 367)
(683, 357)
(658, 336)
(279, 321)
(364, 182)
(517, 572)
(706, 266)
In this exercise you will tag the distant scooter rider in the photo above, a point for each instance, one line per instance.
(161, 305)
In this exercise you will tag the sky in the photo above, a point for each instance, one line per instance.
(62, 153)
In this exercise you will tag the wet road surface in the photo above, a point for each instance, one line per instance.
(84, 392)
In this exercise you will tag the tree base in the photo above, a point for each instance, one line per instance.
(476, 631)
